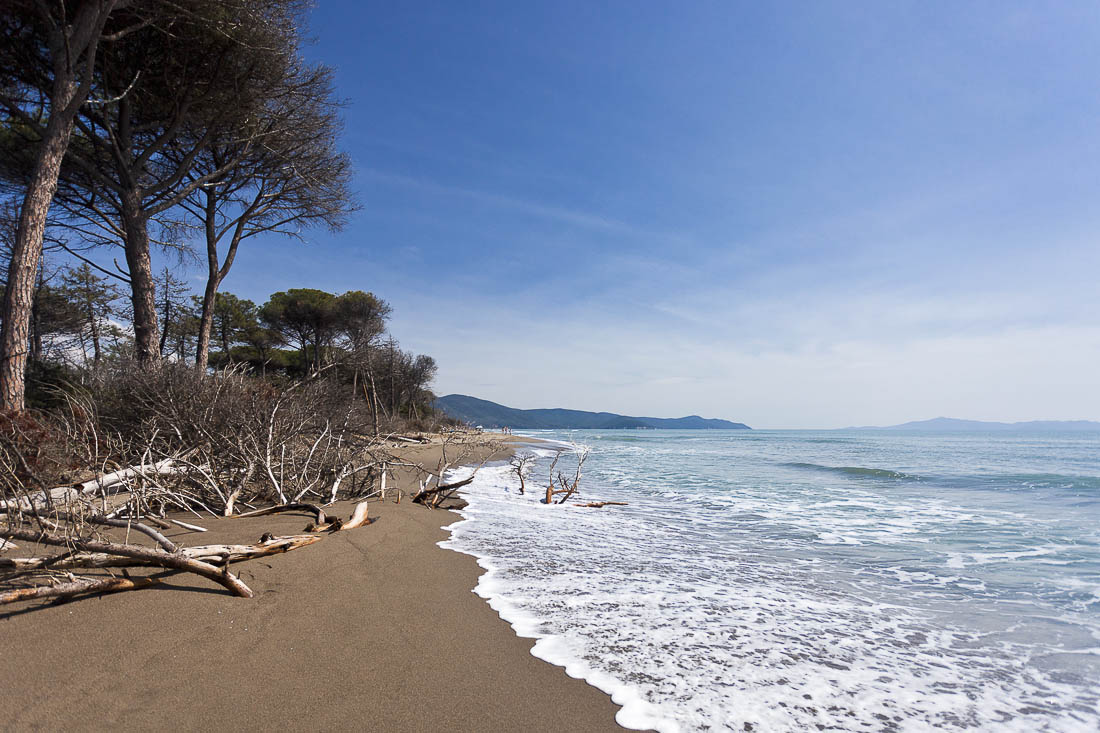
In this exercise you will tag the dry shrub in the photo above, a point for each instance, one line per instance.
(237, 439)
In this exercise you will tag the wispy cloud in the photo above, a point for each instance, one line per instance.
(582, 219)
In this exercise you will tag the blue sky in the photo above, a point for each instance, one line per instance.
(809, 214)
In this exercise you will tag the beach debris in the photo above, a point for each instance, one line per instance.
(201, 560)
(212, 554)
(562, 485)
(358, 518)
(599, 504)
(522, 463)
(317, 511)
(410, 439)
(128, 524)
(80, 586)
(150, 556)
(117, 479)
(94, 501)
(433, 496)
(185, 525)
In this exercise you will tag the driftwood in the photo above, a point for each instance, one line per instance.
(409, 439)
(156, 558)
(211, 554)
(358, 516)
(521, 465)
(313, 509)
(80, 586)
(358, 519)
(76, 491)
(155, 521)
(146, 530)
(428, 497)
(598, 504)
(185, 525)
(566, 486)
(111, 479)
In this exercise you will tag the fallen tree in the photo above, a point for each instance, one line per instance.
(209, 554)
(562, 485)
(77, 587)
(149, 556)
(521, 464)
(97, 478)
(433, 496)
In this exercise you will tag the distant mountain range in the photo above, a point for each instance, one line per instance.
(491, 415)
(947, 424)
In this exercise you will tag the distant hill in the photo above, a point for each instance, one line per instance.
(491, 415)
(947, 424)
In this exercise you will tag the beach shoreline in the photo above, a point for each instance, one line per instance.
(377, 626)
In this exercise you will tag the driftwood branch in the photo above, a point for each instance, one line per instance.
(106, 481)
(156, 558)
(358, 519)
(77, 587)
(521, 464)
(424, 494)
(211, 554)
(185, 525)
(148, 531)
(566, 487)
(407, 439)
(313, 509)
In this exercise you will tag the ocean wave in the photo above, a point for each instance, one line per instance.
(728, 594)
(1051, 480)
(857, 471)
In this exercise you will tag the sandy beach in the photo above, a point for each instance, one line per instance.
(371, 628)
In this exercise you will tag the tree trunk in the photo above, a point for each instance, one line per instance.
(142, 285)
(93, 324)
(206, 325)
(36, 314)
(167, 314)
(372, 399)
(67, 44)
(97, 352)
(206, 318)
(19, 295)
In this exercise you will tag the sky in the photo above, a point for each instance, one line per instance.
(788, 214)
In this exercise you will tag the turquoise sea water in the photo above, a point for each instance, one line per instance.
(798, 580)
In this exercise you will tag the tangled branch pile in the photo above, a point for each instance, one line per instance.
(134, 447)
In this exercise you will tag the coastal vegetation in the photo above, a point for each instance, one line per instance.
(135, 136)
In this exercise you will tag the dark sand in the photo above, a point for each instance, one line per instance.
(370, 629)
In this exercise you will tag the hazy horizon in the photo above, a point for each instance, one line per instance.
(733, 418)
(789, 214)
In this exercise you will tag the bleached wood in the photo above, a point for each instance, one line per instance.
(313, 509)
(358, 517)
(76, 587)
(185, 525)
(158, 558)
(220, 554)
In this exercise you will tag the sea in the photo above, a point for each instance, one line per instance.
(802, 581)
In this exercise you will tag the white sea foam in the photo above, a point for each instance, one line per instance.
(697, 608)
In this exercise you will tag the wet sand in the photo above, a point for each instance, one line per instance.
(372, 628)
